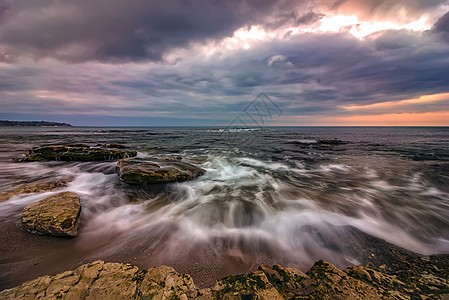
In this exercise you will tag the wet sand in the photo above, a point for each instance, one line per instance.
(25, 256)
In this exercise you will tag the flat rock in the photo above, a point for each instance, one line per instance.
(77, 152)
(137, 171)
(99, 280)
(56, 215)
(39, 186)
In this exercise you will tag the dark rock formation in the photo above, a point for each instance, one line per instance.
(38, 186)
(137, 171)
(56, 215)
(5, 123)
(112, 145)
(332, 142)
(99, 280)
(77, 152)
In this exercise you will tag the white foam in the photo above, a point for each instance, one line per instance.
(243, 201)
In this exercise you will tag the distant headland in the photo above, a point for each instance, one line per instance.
(4, 123)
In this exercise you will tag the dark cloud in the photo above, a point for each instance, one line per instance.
(293, 18)
(441, 27)
(325, 71)
(4, 7)
(307, 74)
(121, 31)
(116, 30)
(391, 66)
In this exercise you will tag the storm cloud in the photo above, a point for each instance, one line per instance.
(120, 31)
(201, 63)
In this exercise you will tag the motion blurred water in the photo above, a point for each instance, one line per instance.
(270, 195)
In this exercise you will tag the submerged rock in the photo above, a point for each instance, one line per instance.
(56, 215)
(38, 186)
(332, 142)
(77, 152)
(99, 280)
(113, 145)
(138, 171)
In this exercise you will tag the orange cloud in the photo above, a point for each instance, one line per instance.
(404, 119)
(396, 119)
(391, 113)
(395, 104)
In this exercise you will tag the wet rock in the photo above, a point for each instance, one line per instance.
(113, 145)
(255, 285)
(99, 280)
(170, 157)
(77, 152)
(165, 283)
(332, 142)
(56, 215)
(137, 171)
(387, 258)
(38, 186)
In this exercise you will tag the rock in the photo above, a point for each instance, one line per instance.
(255, 285)
(112, 145)
(39, 186)
(77, 152)
(169, 157)
(56, 215)
(332, 142)
(165, 283)
(99, 280)
(388, 258)
(138, 171)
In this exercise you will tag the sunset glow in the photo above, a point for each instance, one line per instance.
(329, 63)
(403, 119)
(391, 104)
(360, 29)
(303, 144)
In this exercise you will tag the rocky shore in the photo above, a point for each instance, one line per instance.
(386, 271)
(59, 215)
(134, 171)
(100, 280)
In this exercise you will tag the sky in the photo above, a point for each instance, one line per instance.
(203, 63)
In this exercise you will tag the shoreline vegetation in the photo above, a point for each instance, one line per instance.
(6, 123)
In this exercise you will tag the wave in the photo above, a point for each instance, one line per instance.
(290, 212)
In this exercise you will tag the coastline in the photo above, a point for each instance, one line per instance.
(395, 280)
(119, 222)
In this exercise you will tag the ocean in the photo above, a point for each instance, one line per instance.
(272, 195)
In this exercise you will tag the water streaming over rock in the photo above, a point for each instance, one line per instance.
(272, 195)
